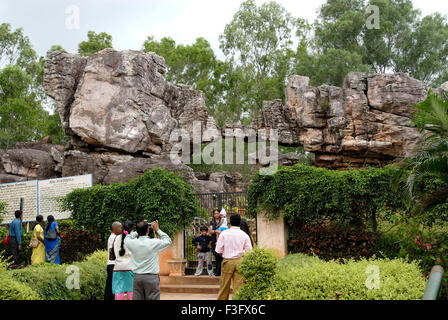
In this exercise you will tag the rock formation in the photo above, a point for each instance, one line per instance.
(367, 122)
(119, 112)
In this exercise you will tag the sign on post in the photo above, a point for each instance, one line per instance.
(40, 197)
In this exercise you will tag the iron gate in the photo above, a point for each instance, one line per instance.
(232, 202)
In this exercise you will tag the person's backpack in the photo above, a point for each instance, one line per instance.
(112, 256)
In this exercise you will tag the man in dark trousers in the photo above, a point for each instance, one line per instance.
(15, 237)
(116, 230)
(204, 243)
(145, 259)
(214, 225)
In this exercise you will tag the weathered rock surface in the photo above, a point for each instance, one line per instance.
(367, 122)
(121, 100)
(28, 163)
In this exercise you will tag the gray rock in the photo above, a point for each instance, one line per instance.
(120, 100)
(28, 163)
(9, 178)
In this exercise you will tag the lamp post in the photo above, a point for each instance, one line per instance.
(1, 90)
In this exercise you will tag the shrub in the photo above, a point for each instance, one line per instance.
(258, 267)
(76, 244)
(48, 281)
(4, 261)
(11, 289)
(301, 277)
(333, 242)
(158, 193)
(305, 194)
(2, 210)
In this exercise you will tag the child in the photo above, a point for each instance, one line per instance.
(203, 243)
(223, 225)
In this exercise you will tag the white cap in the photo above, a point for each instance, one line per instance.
(223, 212)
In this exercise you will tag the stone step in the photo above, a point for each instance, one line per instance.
(190, 288)
(187, 280)
(190, 284)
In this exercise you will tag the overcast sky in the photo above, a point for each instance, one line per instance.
(130, 22)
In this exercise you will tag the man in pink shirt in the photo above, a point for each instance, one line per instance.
(232, 243)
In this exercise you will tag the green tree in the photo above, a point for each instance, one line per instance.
(404, 42)
(96, 42)
(258, 44)
(15, 47)
(22, 117)
(424, 53)
(22, 113)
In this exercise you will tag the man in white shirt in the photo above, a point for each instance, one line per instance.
(232, 243)
(116, 230)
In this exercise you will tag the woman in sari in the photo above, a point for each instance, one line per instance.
(38, 255)
(52, 241)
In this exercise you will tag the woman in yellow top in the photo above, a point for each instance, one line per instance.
(38, 255)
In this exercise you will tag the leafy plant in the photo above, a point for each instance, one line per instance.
(2, 210)
(157, 194)
(301, 277)
(48, 281)
(305, 194)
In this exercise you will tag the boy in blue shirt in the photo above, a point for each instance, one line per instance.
(15, 237)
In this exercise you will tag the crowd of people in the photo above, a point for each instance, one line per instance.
(45, 241)
(133, 256)
(133, 265)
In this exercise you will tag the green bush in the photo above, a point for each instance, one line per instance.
(258, 267)
(300, 277)
(11, 289)
(48, 281)
(306, 194)
(2, 210)
(158, 193)
(4, 261)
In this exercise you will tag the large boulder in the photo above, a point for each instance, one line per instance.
(28, 163)
(121, 100)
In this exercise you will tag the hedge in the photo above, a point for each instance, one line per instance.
(157, 194)
(306, 193)
(48, 281)
(301, 277)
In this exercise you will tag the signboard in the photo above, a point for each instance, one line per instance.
(40, 197)
(11, 194)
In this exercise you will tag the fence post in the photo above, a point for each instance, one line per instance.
(434, 282)
(219, 201)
